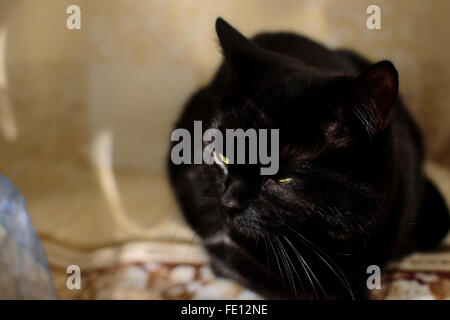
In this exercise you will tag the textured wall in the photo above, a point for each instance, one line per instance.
(134, 63)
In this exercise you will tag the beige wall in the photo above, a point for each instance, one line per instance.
(134, 63)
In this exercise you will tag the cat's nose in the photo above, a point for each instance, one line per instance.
(233, 198)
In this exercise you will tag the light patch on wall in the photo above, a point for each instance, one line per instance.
(8, 125)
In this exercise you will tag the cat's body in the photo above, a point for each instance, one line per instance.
(356, 194)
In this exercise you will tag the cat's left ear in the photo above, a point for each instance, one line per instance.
(377, 88)
(250, 64)
(237, 49)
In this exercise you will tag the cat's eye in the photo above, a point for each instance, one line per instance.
(223, 158)
(284, 180)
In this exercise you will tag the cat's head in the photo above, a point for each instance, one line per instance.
(332, 144)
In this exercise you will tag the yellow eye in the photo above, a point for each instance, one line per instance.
(285, 180)
(224, 159)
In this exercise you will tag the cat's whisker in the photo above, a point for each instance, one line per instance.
(289, 262)
(308, 276)
(267, 253)
(341, 276)
(307, 269)
(339, 273)
(285, 265)
(276, 258)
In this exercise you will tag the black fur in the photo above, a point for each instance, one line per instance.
(359, 196)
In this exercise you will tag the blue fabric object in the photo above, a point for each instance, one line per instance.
(24, 270)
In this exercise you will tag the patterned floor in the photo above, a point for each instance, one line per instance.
(152, 281)
(417, 277)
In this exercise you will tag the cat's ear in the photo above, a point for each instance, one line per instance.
(236, 48)
(246, 59)
(377, 89)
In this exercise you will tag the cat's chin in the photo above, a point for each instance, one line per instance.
(240, 229)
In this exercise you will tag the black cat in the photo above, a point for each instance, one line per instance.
(350, 191)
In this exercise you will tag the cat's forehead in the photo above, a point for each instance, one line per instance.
(281, 102)
(244, 114)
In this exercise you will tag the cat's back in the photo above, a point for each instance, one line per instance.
(311, 52)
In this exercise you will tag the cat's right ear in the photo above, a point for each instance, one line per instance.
(377, 89)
